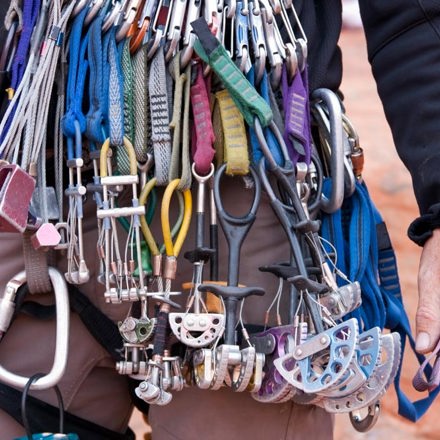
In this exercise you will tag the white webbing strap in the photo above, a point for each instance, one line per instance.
(180, 158)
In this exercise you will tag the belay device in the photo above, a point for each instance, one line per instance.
(181, 94)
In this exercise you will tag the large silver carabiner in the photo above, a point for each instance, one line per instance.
(331, 121)
(62, 331)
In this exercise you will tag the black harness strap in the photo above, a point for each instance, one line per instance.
(44, 417)
(99, 325)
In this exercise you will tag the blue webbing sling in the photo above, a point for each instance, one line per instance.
(364, 253)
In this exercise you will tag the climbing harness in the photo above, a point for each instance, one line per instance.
(182, 96)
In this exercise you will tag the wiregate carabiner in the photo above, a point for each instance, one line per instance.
(241, 37)
(112, 16)
(80, 5)
(62, 330)
(160, 26)
(94, 8)
(174, 30)
(354, 156)
(211, 14)
(128, 18)
(258, 41)
(189, 37)
(139, 30)
(227, 33)
(273, 53)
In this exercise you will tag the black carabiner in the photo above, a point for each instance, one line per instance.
(24, 417)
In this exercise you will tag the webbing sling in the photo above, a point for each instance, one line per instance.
(160, 131)
(78, 66)
(249, 102)
(116, 102)
(203, 133)
(297, 116)
(231, 145)
(98, 81)
(364, 251)
(274, 147)
(180, 166)
(31, 10)
(124, 82)
(140, 104)
(128, 74)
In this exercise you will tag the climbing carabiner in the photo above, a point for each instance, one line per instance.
(334, 132)
(366, 423)
(62, 331)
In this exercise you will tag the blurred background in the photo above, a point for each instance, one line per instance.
(391, 190)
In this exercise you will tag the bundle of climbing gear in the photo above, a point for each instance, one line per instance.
(133, 102)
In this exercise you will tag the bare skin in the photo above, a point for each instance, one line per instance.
(428, 310)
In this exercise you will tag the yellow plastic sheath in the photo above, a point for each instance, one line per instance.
(103, 158)
(146, 232)
(173, 249)
(131, 157)
(186, 222)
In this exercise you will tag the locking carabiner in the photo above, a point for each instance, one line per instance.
(62, 330)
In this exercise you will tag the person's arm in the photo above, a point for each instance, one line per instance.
(403, 39)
